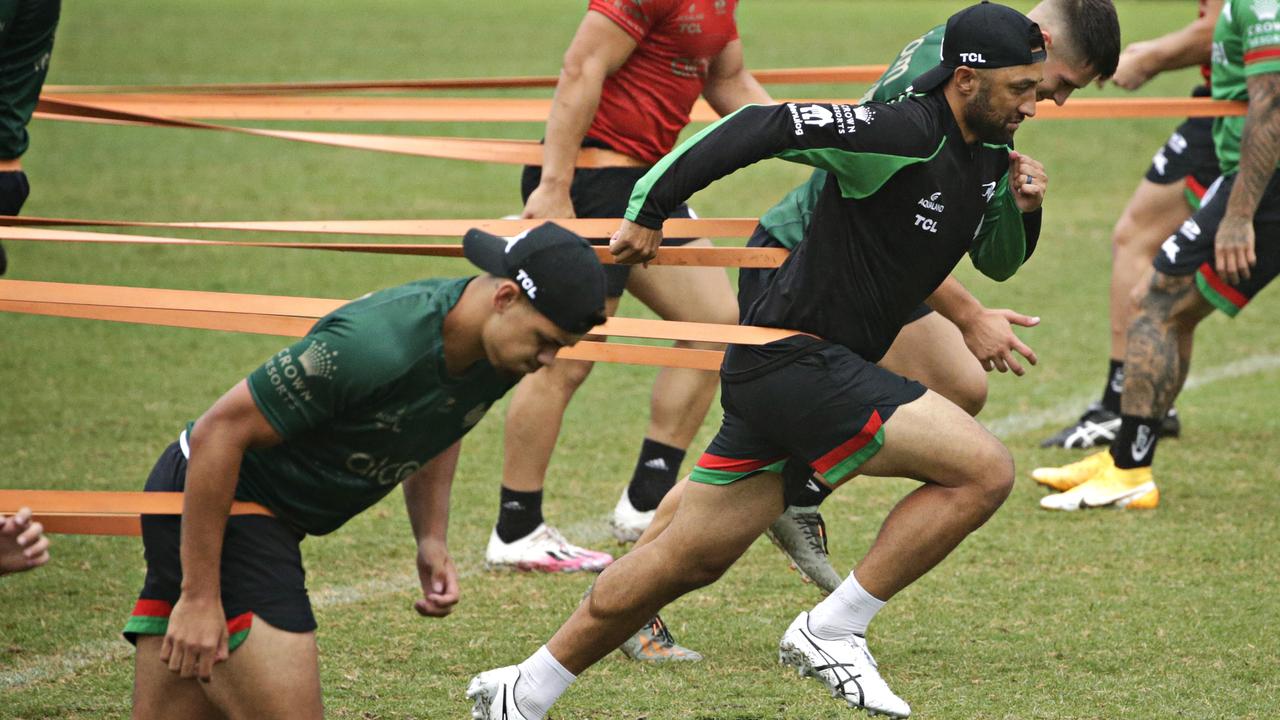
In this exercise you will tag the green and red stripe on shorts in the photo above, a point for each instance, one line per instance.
(151, 617)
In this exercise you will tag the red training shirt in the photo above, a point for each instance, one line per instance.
(646, 103)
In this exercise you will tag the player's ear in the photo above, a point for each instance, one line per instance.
(966, 80)
(505, 294)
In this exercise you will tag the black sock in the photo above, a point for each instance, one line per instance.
(1115, 385)
(655, 473)
(807, 492)
(1135, 444)
(519, 514)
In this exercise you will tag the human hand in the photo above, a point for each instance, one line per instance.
(196, 639)
(23, 545)
(1027, 181)
(1133, 70)
(634, 243)
(549, 201)
(1233, 249)
(439, 579)
(990, 337)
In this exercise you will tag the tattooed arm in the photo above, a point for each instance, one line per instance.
(1259, 153)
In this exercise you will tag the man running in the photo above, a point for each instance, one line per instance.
(1220, 258)
(1082, 42)
(1173, 188)
(816, 400)
(378, 393)
(630, 78)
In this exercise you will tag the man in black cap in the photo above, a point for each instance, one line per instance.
(379, 392)
(913, 186)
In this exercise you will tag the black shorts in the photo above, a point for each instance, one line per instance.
(1190, 250)
(1188, 156)
(262, 571)
(803, 404)
(753, 281)
(603, 193)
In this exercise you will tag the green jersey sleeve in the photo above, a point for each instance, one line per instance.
(1000, 245)
(315, 379)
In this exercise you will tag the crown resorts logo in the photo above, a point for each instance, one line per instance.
(1266, 9)
(317, 361)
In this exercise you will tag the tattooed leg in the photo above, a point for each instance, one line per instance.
(1158, 353)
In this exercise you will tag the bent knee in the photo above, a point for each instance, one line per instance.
(992, 473)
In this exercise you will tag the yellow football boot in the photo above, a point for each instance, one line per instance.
(1068, 476)
(1133, 489)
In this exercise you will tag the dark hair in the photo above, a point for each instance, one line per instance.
(1094, 31)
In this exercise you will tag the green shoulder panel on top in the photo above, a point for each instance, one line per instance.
(860, 174)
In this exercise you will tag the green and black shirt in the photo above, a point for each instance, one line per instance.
(362, 402)
(905, 200)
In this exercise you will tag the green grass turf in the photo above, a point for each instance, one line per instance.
(1094, 615)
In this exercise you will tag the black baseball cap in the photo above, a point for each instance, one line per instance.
(557, 270)
(984, 36)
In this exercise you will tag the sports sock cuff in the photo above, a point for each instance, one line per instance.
(519, 513)
(542, 681)
(1114, 387)
(654, 475)
(1135, 443)
(848, 610)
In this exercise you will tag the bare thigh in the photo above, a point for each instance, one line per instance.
(273, 674)
(931, 351)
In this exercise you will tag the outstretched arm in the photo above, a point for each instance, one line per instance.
(1190, 45)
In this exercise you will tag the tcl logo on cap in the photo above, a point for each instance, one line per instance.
(972, 58)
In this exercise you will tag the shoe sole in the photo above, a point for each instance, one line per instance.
(804, 576)
(794, 657)
(482, 694)
(531, 567)
(1135, 499)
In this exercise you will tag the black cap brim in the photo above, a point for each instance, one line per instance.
(486, 251)
(932, 79)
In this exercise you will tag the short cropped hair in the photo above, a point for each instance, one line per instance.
(1093, 31)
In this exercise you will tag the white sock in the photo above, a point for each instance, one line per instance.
(542, 680)
(845, 612)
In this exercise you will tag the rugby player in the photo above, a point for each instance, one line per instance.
(1082, 42)
(378, 393)
(629, 80)
(816, 400)
(1181, 170)
(1218, 259)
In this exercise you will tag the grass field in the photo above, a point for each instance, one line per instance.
(1091, 615)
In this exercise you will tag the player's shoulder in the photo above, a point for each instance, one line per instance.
(913, 123)
(393, 327)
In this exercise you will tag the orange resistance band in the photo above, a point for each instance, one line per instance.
(527, 152)
(516, 152)
(790, 76)
(673, 256)
(507, 110)
(99, 512)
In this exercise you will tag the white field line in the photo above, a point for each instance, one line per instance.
(65, 664)
(1069, 410)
